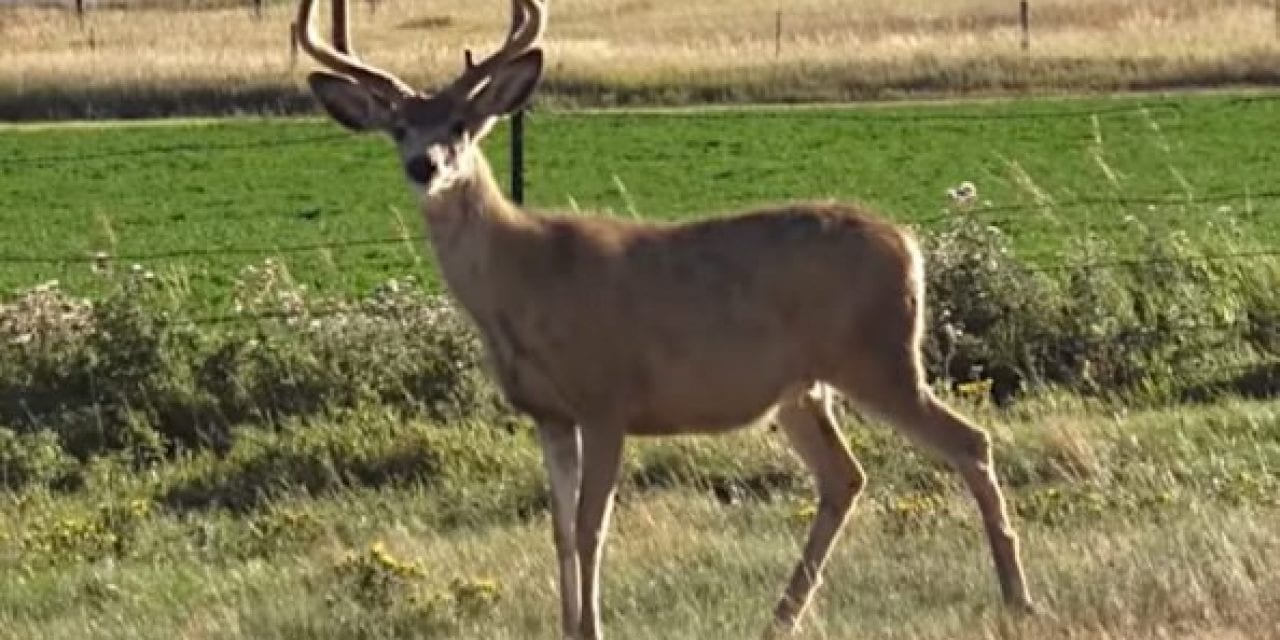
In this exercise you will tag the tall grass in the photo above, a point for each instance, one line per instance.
(365, 525)
(153, 61)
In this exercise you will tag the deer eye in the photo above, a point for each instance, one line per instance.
(457, 129)
(398, 133)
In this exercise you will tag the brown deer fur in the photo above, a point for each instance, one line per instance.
(554, 295)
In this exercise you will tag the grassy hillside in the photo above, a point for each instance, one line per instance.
(212, 57)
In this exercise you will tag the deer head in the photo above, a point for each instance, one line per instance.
(437, 135)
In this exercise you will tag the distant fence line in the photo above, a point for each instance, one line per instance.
(1020, 12)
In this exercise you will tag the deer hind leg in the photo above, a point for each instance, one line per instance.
(896, 391)
(562, 455)
(602, 457)
(807, 420)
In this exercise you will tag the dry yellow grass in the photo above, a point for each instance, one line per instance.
(1183, 550)
(665, 51)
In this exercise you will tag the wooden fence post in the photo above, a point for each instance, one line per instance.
(1025, 18)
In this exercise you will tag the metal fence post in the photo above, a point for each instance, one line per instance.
(517, 145)
(517, 157)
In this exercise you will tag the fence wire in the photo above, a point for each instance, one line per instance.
(107, 258)
(58, 161)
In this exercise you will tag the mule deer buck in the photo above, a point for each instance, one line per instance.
(599, 328)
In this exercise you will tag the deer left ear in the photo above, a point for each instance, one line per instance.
(349, 103)
(511, 86)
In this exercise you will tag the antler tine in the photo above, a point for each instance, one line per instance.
(377, 80)
(528, 22)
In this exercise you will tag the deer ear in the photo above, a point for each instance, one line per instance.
(348, 102)
(511, 86)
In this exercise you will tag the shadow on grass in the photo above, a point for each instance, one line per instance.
(1257, 382)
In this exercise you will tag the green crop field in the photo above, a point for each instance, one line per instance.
(209, 198)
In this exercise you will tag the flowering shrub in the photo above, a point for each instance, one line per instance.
(133, 370)
(399, 346)
(1160, 325)
(380, 590)
(108, 530)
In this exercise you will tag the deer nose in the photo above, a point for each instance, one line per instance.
(419, 169)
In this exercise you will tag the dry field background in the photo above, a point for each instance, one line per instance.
(158, 58)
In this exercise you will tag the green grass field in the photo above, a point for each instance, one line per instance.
(223, 194)
(350, 477)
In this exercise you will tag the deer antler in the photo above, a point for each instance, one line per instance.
(528, 22)
(375, 79)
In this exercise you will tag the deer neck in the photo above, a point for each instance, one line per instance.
(467, 220)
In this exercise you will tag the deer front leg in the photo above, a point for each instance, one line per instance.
(602, 457)
(838, 478)
(562, 455)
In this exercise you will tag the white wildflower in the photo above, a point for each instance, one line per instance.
(963, 194)
(101, 262)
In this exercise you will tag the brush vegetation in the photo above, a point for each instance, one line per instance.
(136, 368)
(146, 58)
